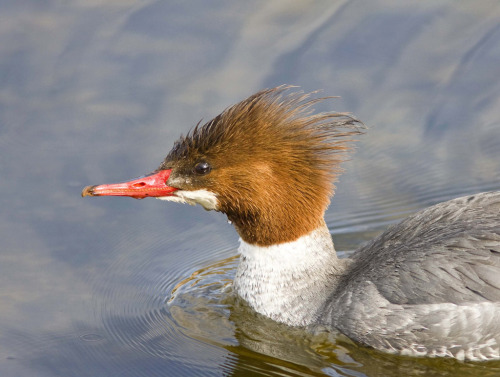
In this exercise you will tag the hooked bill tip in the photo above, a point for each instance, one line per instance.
(88, 191)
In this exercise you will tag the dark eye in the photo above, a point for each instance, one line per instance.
(202, 168)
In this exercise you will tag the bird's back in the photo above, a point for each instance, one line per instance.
(429, 285)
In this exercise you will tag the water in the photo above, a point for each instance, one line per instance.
(94, 92)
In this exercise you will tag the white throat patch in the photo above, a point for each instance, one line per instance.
(206, 199)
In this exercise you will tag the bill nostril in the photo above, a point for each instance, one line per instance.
(138, 185)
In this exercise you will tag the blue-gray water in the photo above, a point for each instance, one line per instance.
(97, 91)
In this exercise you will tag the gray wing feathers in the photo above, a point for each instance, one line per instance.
(447, 253)
(429, 285)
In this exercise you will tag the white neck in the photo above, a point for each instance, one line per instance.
(289, 282)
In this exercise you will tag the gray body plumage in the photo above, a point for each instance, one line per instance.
(428, 286)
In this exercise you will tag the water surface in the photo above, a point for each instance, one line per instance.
(94, 92)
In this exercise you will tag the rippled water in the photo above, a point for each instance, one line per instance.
(94, 92)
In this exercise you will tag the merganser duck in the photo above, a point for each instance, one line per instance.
(428, 286)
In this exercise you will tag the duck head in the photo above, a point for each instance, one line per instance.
(269, 163)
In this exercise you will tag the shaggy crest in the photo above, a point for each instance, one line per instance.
(270, 148)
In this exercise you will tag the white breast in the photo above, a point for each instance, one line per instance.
(288, 282)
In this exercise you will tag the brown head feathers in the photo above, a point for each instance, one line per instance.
(269, 160)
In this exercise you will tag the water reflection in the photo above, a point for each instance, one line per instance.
(97, 91)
